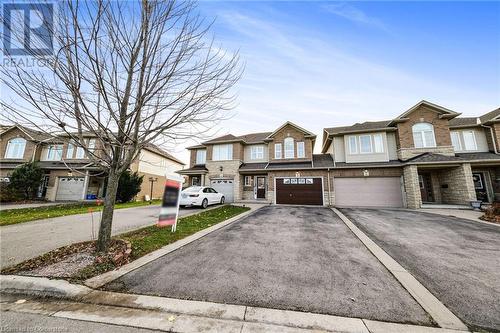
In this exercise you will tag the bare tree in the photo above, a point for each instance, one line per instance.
(128, 73)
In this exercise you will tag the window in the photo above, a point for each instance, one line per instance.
(289, 148)
(378, 143)
(423, 135)
(353, 146)
(222, 153)
(54, 153)
(201, 156)
(195, 181)
(469, 140)
(301, 150)
(70, 151)
(257, 152)
(91, 145)
(248, 180)
(15, 148)
(365, 144)
(277, 151)
(455, 141)
(80, 153)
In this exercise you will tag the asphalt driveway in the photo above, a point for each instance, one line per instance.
(296, 258)
(457, 260)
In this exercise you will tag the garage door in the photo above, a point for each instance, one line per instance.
(70, 188)
(299, 191)
(224, 186)
(368, 192)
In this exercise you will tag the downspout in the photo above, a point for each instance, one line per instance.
(329, 188)
(492, 138)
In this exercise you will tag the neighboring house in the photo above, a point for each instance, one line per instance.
(426, 155)
(69, 173)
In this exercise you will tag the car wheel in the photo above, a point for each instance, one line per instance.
(204, 203)
(222, 200)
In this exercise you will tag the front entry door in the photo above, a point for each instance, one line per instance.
(480, 186)
(261, 187)
(424, 180)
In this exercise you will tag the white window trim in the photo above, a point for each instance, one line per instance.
(57, 157)
(248, 180)
(473, 139)
(458, 141)
(70, 151)
(256, 152)
(378, 135)
(421, 133)
(361, 146)
(301, 149)
(355, 138)
(290, 152)
(9, 146)
(199, 153)
(228, 153)
(278, 153)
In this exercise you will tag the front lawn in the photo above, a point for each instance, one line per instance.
(152, 238)
(13, 216)
(79, 261)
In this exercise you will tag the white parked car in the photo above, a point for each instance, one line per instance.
(200, 196)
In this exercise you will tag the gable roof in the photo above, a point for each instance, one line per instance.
(310, 134)
(31, 134)
(492, 116)
(445, 113)
(464, 122)
(254, 137)
(157, 150)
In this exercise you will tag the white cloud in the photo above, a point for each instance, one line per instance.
(355, 15)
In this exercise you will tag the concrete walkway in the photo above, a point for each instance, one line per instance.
(468, 214)
(23, 241)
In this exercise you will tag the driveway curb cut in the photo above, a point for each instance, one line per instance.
(433, 306)
(41, 286)
(101, 280)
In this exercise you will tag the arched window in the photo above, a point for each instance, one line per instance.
(289, 148)
(423, 135)
(15, 148)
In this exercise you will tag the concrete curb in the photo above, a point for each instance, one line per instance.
(101, 280)
(437, 310)
(174, 315)
(40, 286)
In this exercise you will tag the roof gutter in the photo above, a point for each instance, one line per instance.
(492, 138)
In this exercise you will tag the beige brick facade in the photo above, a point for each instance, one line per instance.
(457, 186)
(298, 136)
(412, 189)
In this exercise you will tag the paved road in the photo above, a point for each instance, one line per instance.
(31, 205)
(27, 240)
(457, 260)
(296, 258)
(27, 322)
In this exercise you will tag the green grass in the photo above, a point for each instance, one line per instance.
(14, 216)
(148, 239)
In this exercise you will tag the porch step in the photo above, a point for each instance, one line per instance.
(444, 206)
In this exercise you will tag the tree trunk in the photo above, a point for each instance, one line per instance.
(107, 213)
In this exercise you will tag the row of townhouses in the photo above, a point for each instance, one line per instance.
(428, 154)
(69, 173)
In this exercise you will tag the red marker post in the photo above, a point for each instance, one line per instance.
(170, 205)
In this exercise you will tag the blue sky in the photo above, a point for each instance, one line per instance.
(323, 64)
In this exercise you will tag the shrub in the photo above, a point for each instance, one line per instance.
(26, 179)
(492, 213)
(9, 194)
(128, 186)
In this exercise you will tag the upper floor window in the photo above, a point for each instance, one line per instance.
(353, 145)
(222, 152)
(301, 150)
(423, 135)
(378, 143)
(365, 144)
(277, 151)
(91, 145)
(70, 151)
(201, 156)
(54, 153)
(463, 140)
(15, 148)
(289, 148)
(256, 152)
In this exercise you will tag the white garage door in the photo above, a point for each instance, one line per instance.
(70, 188)
(368, 192)
(224, 186)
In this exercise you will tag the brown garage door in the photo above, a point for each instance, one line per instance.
(299, 191)
(368, 192)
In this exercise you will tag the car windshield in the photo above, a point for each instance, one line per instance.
(192, 189)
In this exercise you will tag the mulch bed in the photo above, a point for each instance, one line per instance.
(76, 262)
